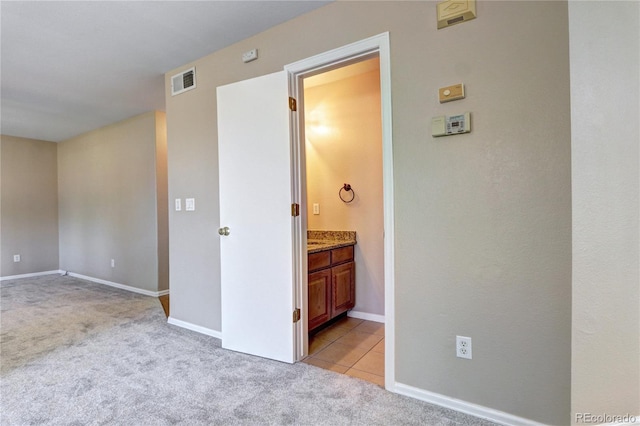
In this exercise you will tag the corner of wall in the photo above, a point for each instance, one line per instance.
(162, 185)
(29, 207)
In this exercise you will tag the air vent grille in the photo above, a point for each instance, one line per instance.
(184, 81)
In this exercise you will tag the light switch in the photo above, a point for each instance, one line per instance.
(316, 208)
(190, 204)
(178, 204)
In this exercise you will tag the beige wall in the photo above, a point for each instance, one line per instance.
(29, 210)
(162, 192)
(606, 199)
(483, 221)
(108, 202)
(349, 150)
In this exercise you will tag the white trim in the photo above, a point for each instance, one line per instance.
(366, 316)
(330, 60)
(298, 195)
(116, 285)
(464, 406)
(95, 280)
(389, 203)
(34, 274)
(196, 328)
(341, 55)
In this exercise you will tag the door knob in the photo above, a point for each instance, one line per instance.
(224, 231)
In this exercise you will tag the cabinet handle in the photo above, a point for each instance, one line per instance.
(224, 231)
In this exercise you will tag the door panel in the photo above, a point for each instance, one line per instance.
(255, 204)
(344, 280)
(319, 306)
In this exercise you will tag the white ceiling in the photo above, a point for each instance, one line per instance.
(71, 67)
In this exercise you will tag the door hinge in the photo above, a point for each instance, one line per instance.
(296, 315)
(295, 209)
(293, 105)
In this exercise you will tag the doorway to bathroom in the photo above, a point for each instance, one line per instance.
(341, 139)
(264, 256)
(344, 200)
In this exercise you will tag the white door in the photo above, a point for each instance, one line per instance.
(255, 206)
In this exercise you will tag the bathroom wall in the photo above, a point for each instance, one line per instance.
(29, 211)
(344, 145)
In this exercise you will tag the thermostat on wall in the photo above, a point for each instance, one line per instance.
(451, 125)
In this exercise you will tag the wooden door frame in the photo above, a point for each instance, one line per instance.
(336, 58)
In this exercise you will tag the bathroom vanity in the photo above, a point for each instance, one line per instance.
(332, 275)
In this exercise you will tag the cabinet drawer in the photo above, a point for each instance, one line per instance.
(319, 260)
(340, 255)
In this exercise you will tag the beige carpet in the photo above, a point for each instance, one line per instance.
(78, 353)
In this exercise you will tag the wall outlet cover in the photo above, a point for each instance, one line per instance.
(463, 347)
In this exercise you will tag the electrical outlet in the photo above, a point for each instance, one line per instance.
(16, 258)
(113, 263)
(463, 347)
(316, 208)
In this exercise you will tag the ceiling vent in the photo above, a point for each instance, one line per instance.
(183, 82)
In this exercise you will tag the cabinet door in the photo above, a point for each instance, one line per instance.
(319, 295)
(344, 288)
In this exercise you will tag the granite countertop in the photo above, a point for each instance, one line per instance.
(326, 240)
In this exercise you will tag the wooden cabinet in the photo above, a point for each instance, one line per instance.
(343, 289)
(319, 297)
(332, 284)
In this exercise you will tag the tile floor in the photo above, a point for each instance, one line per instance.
(350, 346)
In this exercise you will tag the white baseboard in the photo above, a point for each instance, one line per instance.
(163, 292)
(463, 406)
(196, 328)
(117, 285)
(366, 316)
(35, 274)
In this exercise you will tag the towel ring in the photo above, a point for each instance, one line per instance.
(346, 188)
